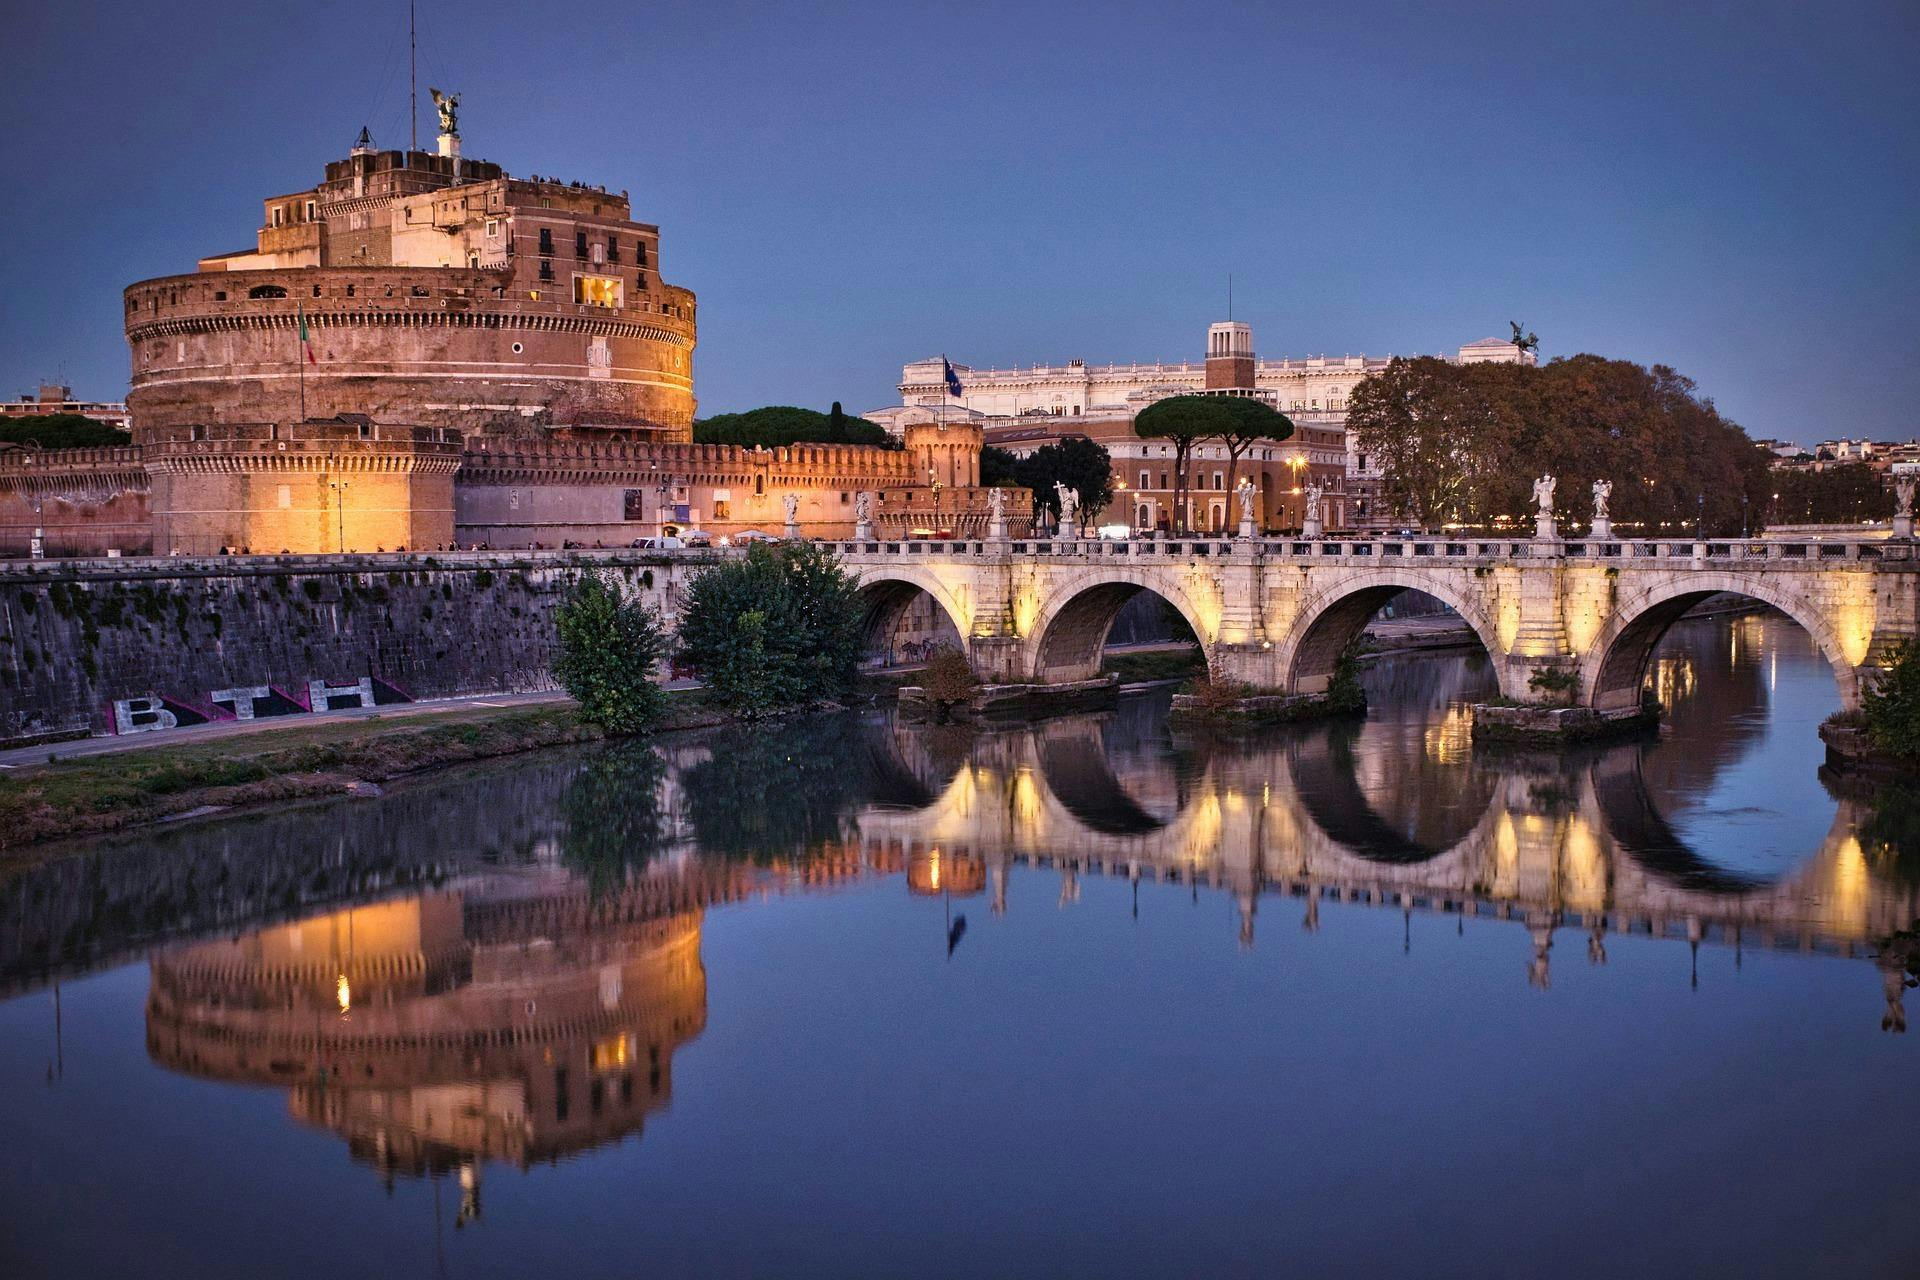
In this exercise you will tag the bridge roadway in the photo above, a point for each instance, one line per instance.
(1277, 613)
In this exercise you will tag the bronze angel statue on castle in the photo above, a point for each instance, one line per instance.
(448, 105)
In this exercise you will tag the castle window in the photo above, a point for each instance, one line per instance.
(597, 291)
(546, 268)
(579, 244)
(640, 279)
(759, 486)
(219, 295)
(266, 291)
(349, 291)
(546, 239)
(613, 249)
(316, 291)
(311, 210)
(640, 252)
(273, 216)
(493, 227)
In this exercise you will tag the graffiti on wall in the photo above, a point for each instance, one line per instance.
(155, 711)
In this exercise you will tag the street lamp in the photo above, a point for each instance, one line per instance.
(339, 487)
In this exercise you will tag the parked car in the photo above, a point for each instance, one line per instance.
(696, 538)
(658, 544)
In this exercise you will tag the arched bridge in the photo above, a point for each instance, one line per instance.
(1277, 613)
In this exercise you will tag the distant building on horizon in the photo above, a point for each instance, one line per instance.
(54, 397)
(1022, 408)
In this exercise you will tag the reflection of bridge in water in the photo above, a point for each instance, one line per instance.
(1563, 841)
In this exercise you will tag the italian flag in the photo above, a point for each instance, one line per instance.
(306, 344)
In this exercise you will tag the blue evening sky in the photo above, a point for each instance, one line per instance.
(1729, 189)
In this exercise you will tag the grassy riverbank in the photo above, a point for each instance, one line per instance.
(98, 794)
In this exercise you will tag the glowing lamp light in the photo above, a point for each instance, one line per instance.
(932, 873)
(343, 992)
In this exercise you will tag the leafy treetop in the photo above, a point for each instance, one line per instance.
(783, 424)
(62, 431)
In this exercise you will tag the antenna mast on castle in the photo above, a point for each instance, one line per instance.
(413, 84)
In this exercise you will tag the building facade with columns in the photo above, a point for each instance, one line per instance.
(1021, 408)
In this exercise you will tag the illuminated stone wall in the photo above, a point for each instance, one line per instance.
(86, 501)
(310, 488)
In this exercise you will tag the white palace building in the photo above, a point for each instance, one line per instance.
(1022, 408)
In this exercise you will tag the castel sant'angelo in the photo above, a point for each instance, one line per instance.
(424, 352)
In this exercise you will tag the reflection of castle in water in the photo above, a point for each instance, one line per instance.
(507, 1018)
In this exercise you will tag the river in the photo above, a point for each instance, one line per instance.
(845, 997)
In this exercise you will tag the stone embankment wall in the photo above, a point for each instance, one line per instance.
(78, 636)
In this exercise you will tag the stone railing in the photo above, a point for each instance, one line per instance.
(1352, 551)
(1393, 550)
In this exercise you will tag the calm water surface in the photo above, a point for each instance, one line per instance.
(1087, 998)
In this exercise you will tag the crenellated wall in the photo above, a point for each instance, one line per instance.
(87, 501)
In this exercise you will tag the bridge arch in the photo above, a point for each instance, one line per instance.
(1615, 665)
(1070, 631)
(886, 595)
(1334, 616)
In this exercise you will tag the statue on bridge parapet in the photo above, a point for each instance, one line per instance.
(997, 515)
(1543, 519)
(1903, 485)
(1069, 510)
(1312, 524)
(863, 516)
(791, 504)
(1245, 491)
(1602, 521)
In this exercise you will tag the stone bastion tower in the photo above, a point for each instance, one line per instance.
(434, 291)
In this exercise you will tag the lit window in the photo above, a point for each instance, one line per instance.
(597, 291)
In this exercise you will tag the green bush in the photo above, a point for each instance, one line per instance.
(1893, 706)
(608, 648)
(1344, 691)
(779, 628)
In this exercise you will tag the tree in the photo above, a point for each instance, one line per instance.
(1077, 462)
(1463, 442)
(1893, 706)
(1253, 422)
(999, 468)
(62, 431)
(608, 648)
(1844, 494)
(778, 628)
(948, 680)
(1431, 437)
(776, 426)
(1186, 420)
